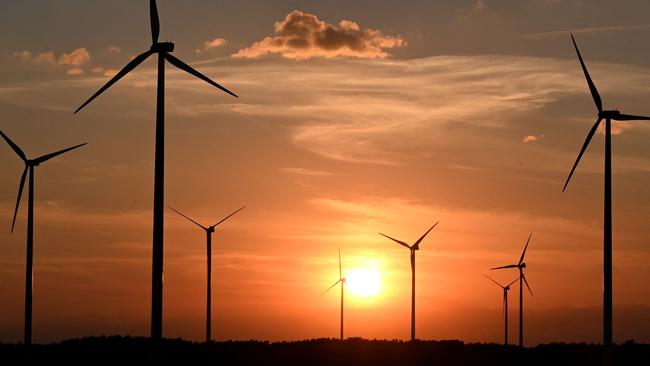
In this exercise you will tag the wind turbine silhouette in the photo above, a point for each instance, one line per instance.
(608, 116)
(341, 280)
(208, 230)
(163, 49)
(29, 167)
(505, 288)
(520, 266)
(412, 248)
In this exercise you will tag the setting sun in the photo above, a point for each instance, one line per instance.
(363, 282)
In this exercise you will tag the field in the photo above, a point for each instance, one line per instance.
(354, 351)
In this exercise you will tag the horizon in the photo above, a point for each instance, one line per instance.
(473, 119)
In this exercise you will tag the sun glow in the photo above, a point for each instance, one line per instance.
(363, 282)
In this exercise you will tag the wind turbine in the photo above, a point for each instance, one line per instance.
(208, 230)
(412, 248)
(520, 266)
(505, 288)
(29, 167)
(341, 280)
(608, 116)
(163, 49)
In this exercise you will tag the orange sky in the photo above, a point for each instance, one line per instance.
(326, 148)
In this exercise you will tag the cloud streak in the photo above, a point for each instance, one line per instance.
(302, 36)
(588, 31)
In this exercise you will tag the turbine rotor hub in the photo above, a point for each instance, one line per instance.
(162, 47)
(211, 229)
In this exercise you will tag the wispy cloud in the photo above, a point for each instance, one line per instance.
(105, 72)
(302, 35)
(588, 31)
(532, 138)
(211, 45)
(307, 172)
(618, 127)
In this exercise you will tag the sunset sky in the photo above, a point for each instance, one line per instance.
(354, 117)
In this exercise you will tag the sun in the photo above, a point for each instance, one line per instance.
(363, 282)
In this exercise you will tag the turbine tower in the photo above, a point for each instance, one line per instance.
(608, 116)
(505, 288)
(30, 164)
(520, 266)
(208, 230)
(341, 280)
(412, 248)
(163, 49)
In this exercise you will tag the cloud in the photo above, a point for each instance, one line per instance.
(75, 58)
(307, 172)
(45, 58)
(42, 58)
(105, 72)
(75, 71)
(114, 50)
(302, 36)
(618, 127)
(532, 138)
(587, 31)
(23, 55)
(210, 45)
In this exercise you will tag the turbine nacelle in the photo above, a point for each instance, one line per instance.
(210, 229)
(162, 47)
(614, 114)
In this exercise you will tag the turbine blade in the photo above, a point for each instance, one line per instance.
(14, 146)
(340, 270)
(155, 22)
(397, 241)
(47, 157)
(503, 267)
(592, 87)
(329, 288)
(629, 117)
(515, 280)
(20, 193)
(526, 282)
(526, 247)
(196, 223)
(582, 151)
(130, 66)
(491, 279)
(417, 243)
(187, 68)
(229, 216)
